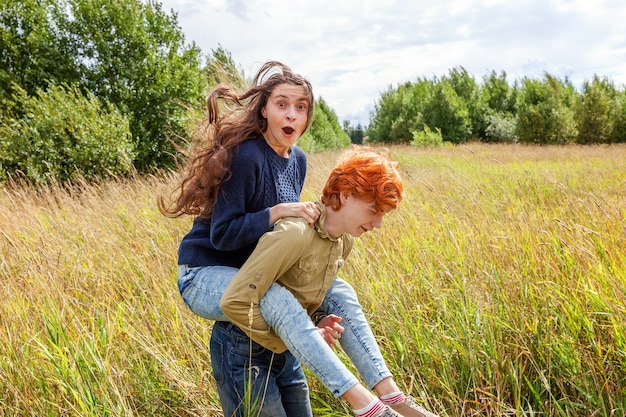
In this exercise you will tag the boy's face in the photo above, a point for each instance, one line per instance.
(359, 216)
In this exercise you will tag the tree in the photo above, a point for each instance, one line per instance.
(32, 53)
(127, 53)
(356, 134)
(468, 92)
(325, 132)
(498, 94)
(397, 114)
(385, 112)
(499, 113)
(595, 111)
(544, 112)
(447, 112)
(618, 131)
(133, 55)
(221, 68)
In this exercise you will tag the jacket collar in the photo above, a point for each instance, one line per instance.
(319, 224)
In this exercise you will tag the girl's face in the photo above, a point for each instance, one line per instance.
(286, 112)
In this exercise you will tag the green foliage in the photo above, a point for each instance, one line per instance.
(595, 111)
(356, 134)
(385, 112)
(325, 132)
(32, 52)
(128, 53)
(498, 116)
(498, 95)
(500, 128)
(221, 68)
(544, 112)
(435, 103)
(467, 90)
(448, 112)
(618, 132)
(63, 134)
(427, 137)
(398, 113)
(133, 55)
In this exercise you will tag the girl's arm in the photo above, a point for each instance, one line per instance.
(239, 218)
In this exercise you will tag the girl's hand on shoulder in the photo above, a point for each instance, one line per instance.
(307, 210)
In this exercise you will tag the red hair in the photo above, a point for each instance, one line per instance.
(366, 174)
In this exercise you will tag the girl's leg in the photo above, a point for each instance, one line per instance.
(357, 340)
(202, 287)
(282, 311)
(290, 321)
(361, 346)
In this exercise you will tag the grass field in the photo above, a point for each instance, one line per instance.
(497, 289)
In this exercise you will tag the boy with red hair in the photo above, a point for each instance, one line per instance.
(361, 189)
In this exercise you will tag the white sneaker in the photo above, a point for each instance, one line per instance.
(410, 408)
(387, 412)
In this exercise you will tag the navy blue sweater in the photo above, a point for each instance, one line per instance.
(260, 179)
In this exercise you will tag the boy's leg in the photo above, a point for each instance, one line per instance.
(245, 387)
(293, 386)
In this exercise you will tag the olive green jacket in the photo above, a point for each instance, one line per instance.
(302, 259)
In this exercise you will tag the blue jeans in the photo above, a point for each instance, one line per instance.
(202, 289)
(254, 381)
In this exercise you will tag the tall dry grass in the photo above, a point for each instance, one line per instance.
(496, 289)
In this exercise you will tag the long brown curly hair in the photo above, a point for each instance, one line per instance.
(239, 119)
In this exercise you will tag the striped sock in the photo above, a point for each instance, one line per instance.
(393, 398)
(371, 409)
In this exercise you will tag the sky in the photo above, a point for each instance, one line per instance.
(353, 50)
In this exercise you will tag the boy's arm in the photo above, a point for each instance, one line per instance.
(276, 252)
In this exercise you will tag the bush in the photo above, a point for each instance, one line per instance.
(427, 137)
(500, 128)
(61, 134)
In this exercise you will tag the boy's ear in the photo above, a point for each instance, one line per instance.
(343, 197)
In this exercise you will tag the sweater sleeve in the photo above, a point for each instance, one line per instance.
(302, 164)
(276, 252)
(233, 224)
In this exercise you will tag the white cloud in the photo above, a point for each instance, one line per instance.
(353, 50)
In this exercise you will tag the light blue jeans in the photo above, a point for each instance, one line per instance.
(202, 289)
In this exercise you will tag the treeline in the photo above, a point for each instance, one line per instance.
(456, 108)
(91, 88)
